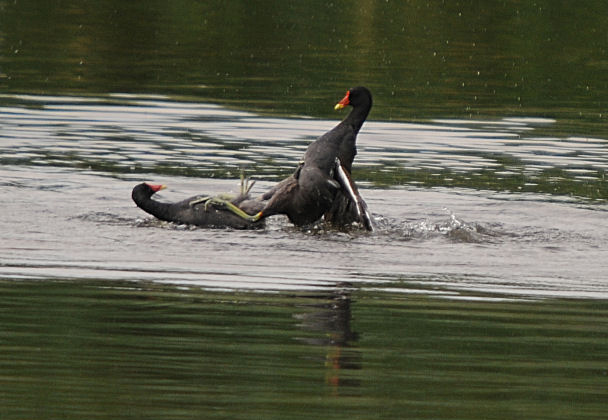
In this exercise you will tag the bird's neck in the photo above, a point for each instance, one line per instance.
(357, 117)
(151, 206)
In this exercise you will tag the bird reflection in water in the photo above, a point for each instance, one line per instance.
(332, 318)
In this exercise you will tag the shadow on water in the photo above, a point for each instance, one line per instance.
(332, 319)
(75, 349)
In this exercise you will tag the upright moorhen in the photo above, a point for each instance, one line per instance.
(322, 184)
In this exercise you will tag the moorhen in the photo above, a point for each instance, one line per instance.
(322, 185)
(201, 210)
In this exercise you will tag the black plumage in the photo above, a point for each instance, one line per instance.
(313, 190)
(200, 210)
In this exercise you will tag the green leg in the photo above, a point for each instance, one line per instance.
(236, 210)
(227, 205)
(208, 200)
(200, 200)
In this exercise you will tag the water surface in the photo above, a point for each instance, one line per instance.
(482, 293)
(72, 165)
(100, 349)
(453, 303)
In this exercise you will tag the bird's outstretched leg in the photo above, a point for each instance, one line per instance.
(234, 209)
(223, 201)
(199, 200)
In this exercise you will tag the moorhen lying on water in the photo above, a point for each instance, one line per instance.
(203, 211)
(320, 186)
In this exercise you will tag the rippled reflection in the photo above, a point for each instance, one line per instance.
(89, 349)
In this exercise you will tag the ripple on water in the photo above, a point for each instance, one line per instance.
(132, 133)
(69, 166)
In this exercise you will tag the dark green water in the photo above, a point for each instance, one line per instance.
(482, 295)
(74, 350)
(422, 59)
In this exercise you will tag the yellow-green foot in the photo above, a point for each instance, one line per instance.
(227, 204)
